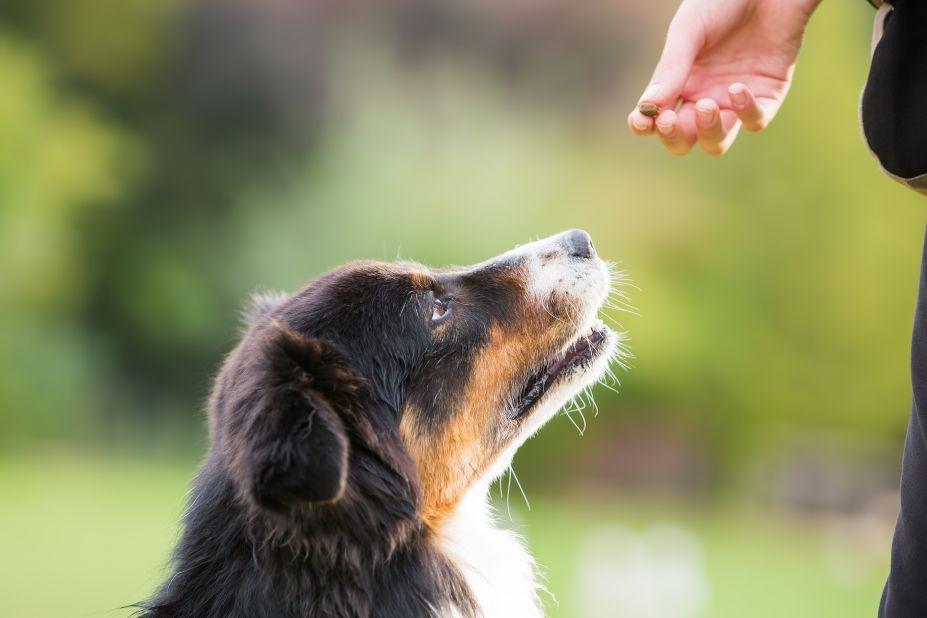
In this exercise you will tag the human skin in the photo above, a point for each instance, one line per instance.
(726, 64)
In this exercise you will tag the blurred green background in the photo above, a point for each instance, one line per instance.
(161, 159)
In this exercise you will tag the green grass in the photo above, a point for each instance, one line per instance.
(84, 536)
(755, 564)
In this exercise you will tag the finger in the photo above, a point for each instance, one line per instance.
(671, 133)
(682, 44)
(751, 112)
(640, 124)
(716, 129)
(686, 116)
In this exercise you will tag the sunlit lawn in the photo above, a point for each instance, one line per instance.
(85, 536)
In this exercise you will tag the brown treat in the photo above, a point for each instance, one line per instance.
(649, 109)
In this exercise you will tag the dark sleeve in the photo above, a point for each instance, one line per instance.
(894, 105)
(894, 114)
(905, 594)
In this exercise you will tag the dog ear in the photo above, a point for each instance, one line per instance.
(296, 436)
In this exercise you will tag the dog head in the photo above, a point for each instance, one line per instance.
(380, 378)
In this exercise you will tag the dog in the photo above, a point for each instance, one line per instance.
(357, 426)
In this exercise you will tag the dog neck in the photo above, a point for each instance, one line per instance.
(497, 567)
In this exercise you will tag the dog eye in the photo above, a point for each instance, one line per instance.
(440, 310)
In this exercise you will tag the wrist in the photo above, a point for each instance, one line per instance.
(809, 5)
(805, 6)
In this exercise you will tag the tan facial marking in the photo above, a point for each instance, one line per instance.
(477, 430)
(420, 280)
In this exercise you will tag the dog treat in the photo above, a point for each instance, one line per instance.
(649, 109)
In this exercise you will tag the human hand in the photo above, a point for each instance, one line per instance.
(726, 63)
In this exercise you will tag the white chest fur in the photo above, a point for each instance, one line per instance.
(495, 562)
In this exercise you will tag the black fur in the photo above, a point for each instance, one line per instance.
(307, 503)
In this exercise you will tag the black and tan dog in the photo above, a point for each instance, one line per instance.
(356, 429)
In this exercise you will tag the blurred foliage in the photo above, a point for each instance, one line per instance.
(160, 160)
(59, 159)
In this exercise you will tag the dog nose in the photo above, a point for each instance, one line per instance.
(579, 244)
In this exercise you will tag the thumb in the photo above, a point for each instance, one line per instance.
(683, 41)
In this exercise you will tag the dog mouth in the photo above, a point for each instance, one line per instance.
(576, 357)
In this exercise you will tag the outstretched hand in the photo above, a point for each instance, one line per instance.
(726, 63)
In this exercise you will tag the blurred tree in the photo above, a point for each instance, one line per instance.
(59, 162)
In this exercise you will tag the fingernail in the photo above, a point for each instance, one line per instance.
(705, 116)
(652, 92)
(738, 96)
(639, 123)
(665, 129)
